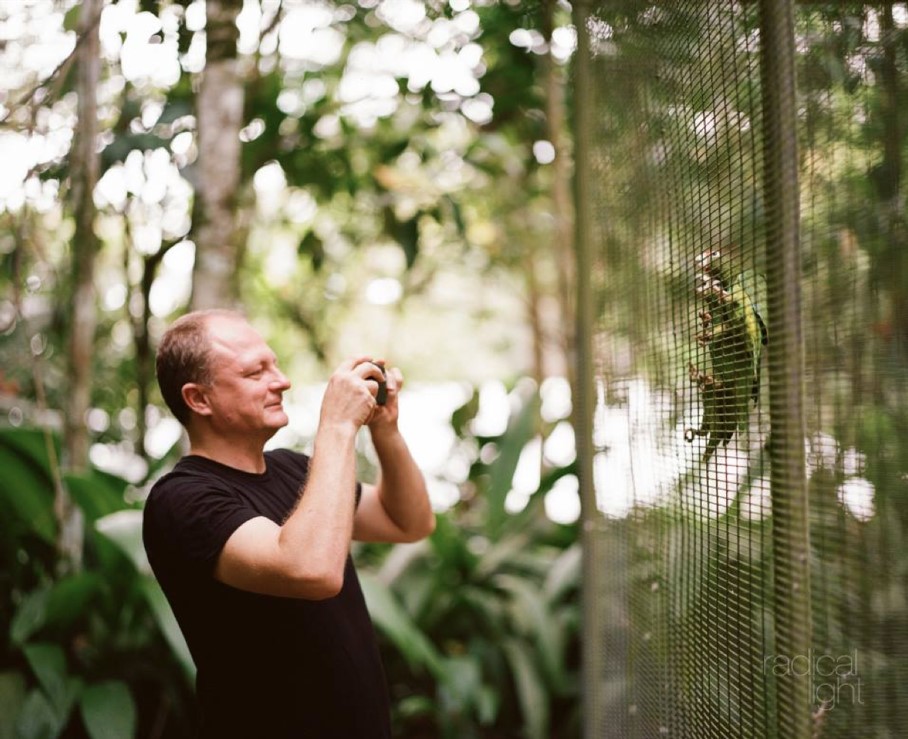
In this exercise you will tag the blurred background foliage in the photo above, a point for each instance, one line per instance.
(383, 176)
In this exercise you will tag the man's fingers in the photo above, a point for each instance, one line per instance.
(351, 363)
(395, 379)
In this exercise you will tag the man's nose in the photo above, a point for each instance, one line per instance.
(281, 381)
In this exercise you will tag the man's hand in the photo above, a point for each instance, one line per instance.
(384, 417)
(350, 395)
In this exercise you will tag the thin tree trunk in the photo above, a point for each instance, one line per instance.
(220, 118)
(142, 342)
(534, 316)
(562, 200)
(889, 183)
(85, 165)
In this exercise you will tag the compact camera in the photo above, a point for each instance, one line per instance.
(381, 397)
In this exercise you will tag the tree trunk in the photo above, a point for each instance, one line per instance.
(889, 185)
(145, 371)
(84, 163)
(220, 117)
(562, 201)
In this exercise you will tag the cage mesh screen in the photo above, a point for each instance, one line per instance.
(749, 439)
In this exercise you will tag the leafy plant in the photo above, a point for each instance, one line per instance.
(81, 652)
(484, 616)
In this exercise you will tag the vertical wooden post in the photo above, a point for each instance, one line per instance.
(790, 512)
(584, 402)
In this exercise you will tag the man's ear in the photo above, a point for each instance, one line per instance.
(196, 398)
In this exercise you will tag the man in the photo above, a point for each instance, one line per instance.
(252, 547)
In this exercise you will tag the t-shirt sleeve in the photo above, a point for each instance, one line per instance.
(193, 519)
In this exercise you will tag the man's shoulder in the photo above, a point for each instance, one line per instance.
(190, 474)
(185, 470)
(288, 458)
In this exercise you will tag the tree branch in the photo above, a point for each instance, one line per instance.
(64, 64)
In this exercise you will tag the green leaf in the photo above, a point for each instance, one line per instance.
(12, 697)
(49, 665)
(457, 216)
(530, 611)
(530, 689)
(30, 616)
(488, 701)
(501, 553)
(461, 683)
(37, 719)
(411, 706)
(108, 710)
(564, 572)
(312, 245)
(31, 443)
(69, 598)
(485, 602)
(449, 544)
(71, 19)
(405, 233)
(124, 528)
(391, 618)
(463, 415)
(97, 493)
(501, 475)
(26, 488)
(167, 622)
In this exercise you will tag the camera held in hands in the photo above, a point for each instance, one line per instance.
(381, 397)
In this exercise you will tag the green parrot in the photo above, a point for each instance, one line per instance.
(734, 333)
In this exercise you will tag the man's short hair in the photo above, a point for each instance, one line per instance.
(183, 356)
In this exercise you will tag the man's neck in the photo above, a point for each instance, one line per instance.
(243, 454)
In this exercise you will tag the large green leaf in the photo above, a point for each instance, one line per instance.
(564, 573)
(31, 444)
(37, 719)
(167, 622)
(70, 597)
(487, 605)
(534, 699)
(529, 610)
(501, 554)
(48, 662)
(391, 618)
(97, 493)
(26, 488)
(58, 604)
(461, 683)
(450, 545)
(501, 475)
(108, 710)
(124, 529)
(30, 616)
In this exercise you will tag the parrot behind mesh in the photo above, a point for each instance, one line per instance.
(734, 334)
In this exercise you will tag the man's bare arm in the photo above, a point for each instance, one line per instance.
(397, 507)
(305, 557)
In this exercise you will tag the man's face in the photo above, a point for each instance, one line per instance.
(246, 385)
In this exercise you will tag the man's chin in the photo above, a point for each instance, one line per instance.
(278, 417)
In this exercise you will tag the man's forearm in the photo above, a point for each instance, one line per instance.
(320, 528)
(402, 487)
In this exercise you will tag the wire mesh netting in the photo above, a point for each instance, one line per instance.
(750, 424)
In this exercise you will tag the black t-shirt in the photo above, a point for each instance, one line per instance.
(267, 666)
